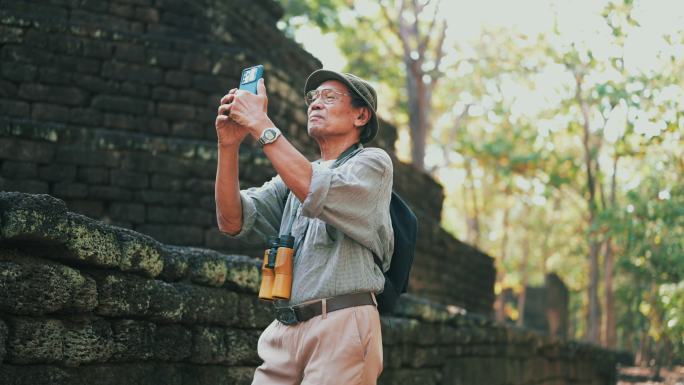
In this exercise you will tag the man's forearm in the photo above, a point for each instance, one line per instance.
(291, 165)
(227, 190)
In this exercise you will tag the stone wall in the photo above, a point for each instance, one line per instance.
(546, 307)
(109, 105)
(84, 302)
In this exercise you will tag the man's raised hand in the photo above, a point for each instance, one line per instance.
(228, 131)
(249, 110)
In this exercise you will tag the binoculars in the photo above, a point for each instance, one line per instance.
(276, 280)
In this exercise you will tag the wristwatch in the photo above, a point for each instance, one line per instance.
(269, 135)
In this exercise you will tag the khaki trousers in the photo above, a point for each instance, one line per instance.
(341, 348)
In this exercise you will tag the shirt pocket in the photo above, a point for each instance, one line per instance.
(313, 233)
(319, 235)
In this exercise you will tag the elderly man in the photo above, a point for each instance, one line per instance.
(339, 209)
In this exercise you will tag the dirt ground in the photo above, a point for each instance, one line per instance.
(644, 376)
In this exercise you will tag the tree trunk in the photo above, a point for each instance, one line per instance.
(591, 167)
(640, 357)
(500, 303)
(523, 293)
(415, 87)
(594, 314)
(473, 220)
(415, 42)
(610, 331)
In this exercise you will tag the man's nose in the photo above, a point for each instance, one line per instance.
(316, 104)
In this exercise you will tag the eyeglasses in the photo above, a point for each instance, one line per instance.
(328, 95)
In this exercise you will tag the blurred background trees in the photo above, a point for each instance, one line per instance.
(558, 138)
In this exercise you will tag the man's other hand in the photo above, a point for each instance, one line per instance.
(229, 132)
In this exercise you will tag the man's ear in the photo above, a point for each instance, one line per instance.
(363, 117)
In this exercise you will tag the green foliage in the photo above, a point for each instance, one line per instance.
(497, 159)
(652, 230)
(322, 13)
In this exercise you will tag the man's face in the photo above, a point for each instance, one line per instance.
(326, 121)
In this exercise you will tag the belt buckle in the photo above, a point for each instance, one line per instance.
(286, 315)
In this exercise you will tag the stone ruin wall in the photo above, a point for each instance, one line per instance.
(84, 302)
(109, 105)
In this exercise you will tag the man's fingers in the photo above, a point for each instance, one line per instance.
(261, 87)
(228, 98)
(224, 109)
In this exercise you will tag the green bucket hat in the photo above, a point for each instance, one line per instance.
(360, 87)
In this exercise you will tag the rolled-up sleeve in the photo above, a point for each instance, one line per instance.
(354, 198)
(262, 211)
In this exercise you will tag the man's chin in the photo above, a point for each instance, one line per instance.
(313, 129)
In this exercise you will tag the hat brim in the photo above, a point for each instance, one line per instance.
(319, 76)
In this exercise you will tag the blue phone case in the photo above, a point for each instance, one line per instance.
(250, 77)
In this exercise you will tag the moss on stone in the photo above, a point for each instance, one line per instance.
(242, 343)
(209, 345)
(206, 153)
(211, 268)
(423, 309)
(254, 313)
(140, 253)
(396, 331)
(208, 305)
(244, 273)
(32, 286)
(3, 340)
(132, 340)
(172, 343)
(35, 341)
(84, 299)
(87, 341)
(32, 217)
(45, 132)
(166, 302)
(182, 148)
(212, 345)
(122, 295)
(92, 242)
(207, 267)
(176, 263)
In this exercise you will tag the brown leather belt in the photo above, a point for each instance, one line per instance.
(300, 313)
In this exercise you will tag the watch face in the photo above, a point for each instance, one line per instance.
(269, 134)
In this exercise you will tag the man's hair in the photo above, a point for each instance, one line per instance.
(356, 100)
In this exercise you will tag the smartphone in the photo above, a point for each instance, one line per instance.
(250, 78)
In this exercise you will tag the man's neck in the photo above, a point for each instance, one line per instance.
(333, 149)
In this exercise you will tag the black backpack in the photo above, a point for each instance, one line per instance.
(405, 228)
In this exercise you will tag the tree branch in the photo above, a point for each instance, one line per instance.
(588, 160)
(422, 45)
(397, 29)
(439, 54)
(384, 41)
(415, 28)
